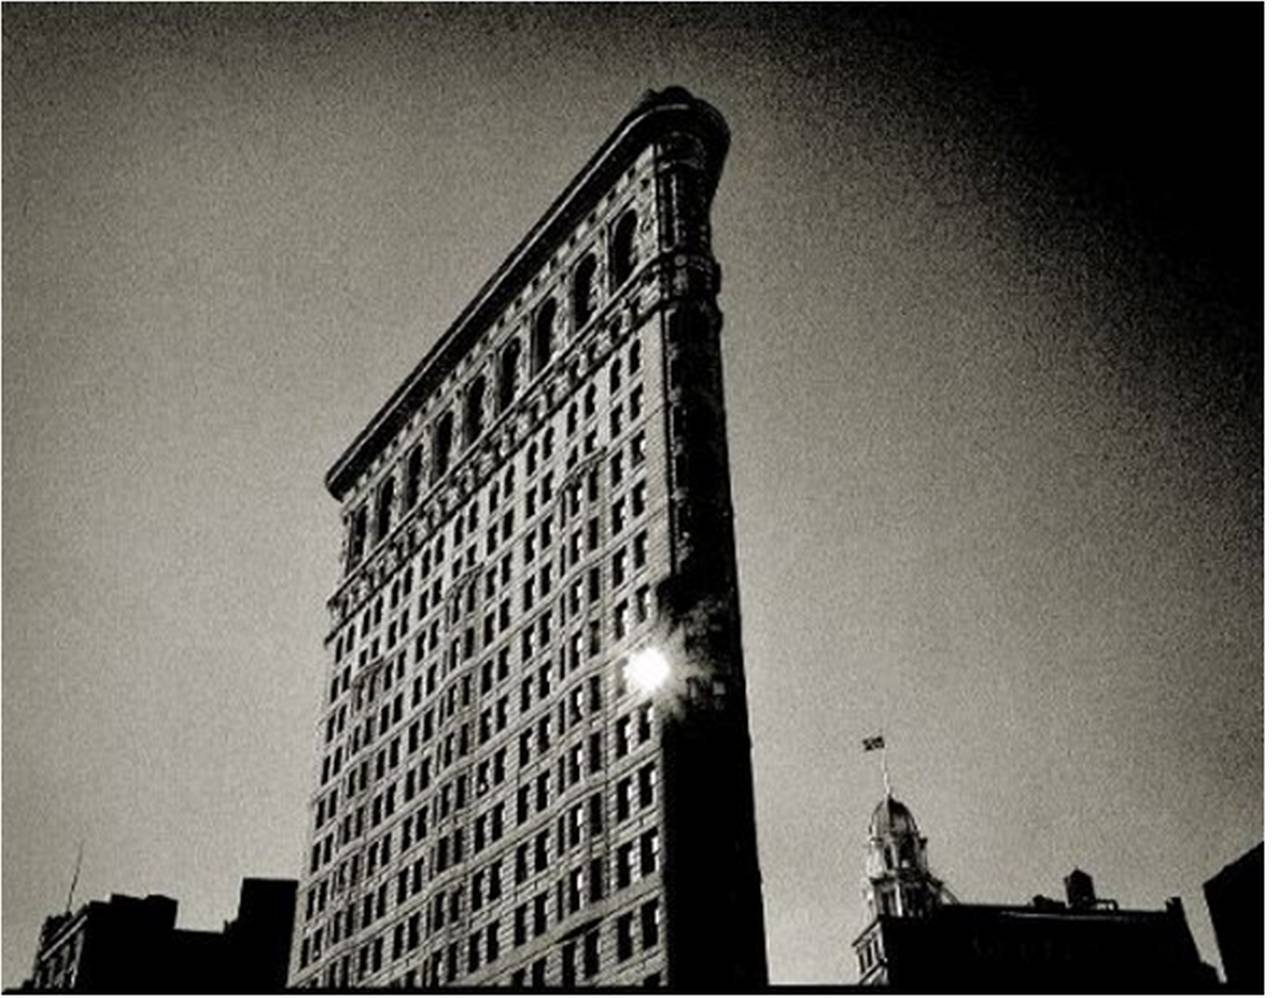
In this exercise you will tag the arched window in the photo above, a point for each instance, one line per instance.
(544, 334)
(508, 371)
(473, 415)
(441, 443)
(413, 478)
(584, 304)
(622, 254)
(386, 503)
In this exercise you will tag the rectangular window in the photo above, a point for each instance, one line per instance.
(491, 950)
(644, 604)
(649, 923)
(596, 879)
(649, 852)
(591, 953)
(623, 865)
(595, 752)
(495, 880)
(575, 889)
(518, 928)
(540, 914)
(595, 813)
(622, 804)
(646, 785)
(624, 929)
(568, 965)
(639, 498)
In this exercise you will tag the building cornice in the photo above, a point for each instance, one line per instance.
(657, 114)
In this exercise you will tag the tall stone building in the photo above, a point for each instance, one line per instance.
(533, 761)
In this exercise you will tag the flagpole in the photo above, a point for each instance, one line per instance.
(884, 765)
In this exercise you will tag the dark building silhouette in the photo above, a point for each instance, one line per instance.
(922, 940)
(131, 944)
(532, 764)
(1235, 899)
(257, 941)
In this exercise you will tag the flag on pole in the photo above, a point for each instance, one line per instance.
(873, 743)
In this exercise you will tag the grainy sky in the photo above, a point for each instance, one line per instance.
(993, 352)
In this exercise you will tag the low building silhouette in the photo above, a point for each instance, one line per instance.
(132, 944)
(921, 939)
(1234, 896)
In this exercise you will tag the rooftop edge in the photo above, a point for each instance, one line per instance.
(643, 122)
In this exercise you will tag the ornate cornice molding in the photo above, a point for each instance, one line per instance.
(657, 114)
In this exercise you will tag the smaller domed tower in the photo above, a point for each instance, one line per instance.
(898, 882)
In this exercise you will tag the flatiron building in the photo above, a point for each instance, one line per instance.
(533, 763)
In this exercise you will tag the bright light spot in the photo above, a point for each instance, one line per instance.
(647, 670)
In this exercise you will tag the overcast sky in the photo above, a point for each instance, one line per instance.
(993, 373)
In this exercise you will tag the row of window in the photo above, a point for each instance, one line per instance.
(571, 603)
(571, 505)
(469, 896)
(580, 960)
(336, 721)
(633, 556)
(583, 698)
(533, 742)
(533, 798)
(486, 678)
(625, 560)
(530, 858)
(493, 719)
(474, 410)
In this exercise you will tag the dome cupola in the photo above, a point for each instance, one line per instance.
(898, 882)
(892, 817)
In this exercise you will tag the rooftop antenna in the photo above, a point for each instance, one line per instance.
(75, 877)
